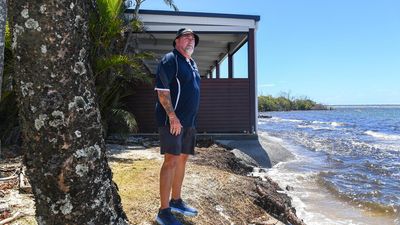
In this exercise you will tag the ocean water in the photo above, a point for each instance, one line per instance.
(347, 166)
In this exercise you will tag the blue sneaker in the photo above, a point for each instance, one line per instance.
(165, 217)
(181, 207)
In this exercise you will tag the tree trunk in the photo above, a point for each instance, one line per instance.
(62, 133)
(3, 19)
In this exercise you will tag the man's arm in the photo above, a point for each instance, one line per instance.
(165, 100)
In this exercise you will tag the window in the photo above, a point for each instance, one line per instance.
(214, 73)
(223, 68)
(240, 63)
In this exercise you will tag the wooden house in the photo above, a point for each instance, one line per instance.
(228, 101)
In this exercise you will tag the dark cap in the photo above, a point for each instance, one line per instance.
(183, 31)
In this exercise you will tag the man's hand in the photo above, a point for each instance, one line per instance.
(175, 125)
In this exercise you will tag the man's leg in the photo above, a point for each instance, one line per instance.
(178, 176)
(167, 174)
(176, 203)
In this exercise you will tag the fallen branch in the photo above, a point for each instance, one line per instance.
(24, 185)
(8, 169)
(12, 218)
(8, 178)
(279, 206)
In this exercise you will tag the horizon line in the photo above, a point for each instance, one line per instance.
(395, 104)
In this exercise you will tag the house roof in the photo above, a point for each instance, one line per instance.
(220, 34)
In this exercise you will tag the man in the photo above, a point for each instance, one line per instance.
(178, 89)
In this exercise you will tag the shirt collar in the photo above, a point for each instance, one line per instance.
(180, 55)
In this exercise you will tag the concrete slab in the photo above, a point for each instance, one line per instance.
(266, 151)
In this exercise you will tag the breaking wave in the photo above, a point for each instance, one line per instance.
(379, 135)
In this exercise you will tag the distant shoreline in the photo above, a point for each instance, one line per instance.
(366, 105)
(288, 103)
(333, 107)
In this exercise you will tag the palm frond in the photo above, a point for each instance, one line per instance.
(117, 71)
(119, 62)
(113, 61)
(171, 4)
(8, 62)
(8, 36)
(108, 22)
(127, 118)
(137, 25)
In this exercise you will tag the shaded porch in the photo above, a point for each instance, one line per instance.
(228, 98)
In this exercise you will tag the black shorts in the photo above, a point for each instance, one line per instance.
(184, 143)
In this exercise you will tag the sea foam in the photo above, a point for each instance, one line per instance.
(391, 137)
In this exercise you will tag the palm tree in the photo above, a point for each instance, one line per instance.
(116, 66)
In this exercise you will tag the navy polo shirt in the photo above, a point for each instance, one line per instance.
(180, 76)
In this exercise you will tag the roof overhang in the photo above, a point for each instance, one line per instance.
(220, 34)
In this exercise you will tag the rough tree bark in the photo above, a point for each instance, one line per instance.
(3, 19)
(62, 134)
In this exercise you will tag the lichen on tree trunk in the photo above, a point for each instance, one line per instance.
(3, 19)
(62, 133)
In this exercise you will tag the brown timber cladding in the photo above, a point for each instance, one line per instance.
(224, 106)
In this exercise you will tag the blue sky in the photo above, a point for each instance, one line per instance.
(332, 51)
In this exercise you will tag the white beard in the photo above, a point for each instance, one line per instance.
(189, 50)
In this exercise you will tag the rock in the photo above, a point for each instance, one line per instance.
(4, 207)
(289, 188)
(245, 159)
(264, 116)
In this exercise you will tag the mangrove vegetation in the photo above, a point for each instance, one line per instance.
(287, 103)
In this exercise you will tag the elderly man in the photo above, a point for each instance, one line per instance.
(178, 89)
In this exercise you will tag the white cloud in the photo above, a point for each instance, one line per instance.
(266, 85)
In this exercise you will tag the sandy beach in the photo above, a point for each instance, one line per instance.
(223, 181)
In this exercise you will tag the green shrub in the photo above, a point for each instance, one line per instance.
(281, 103)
